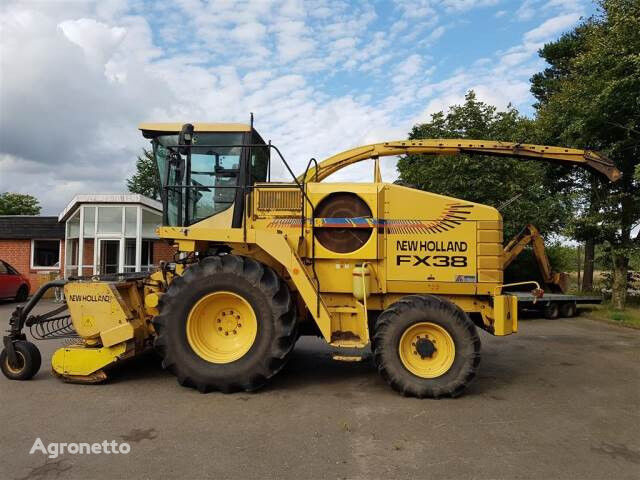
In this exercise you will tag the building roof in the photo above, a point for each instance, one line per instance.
(30, 226)
(118, 198)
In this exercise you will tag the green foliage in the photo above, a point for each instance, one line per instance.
(606, 313)
(18, 204)
(484, 179)
(144, 181)
(589, 97)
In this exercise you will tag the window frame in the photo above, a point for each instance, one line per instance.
(33, 251)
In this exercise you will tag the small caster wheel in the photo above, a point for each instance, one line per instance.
(28, 364)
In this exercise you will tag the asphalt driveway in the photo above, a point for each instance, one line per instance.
(558, 400)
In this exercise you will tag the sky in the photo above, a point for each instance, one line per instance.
(320, 76)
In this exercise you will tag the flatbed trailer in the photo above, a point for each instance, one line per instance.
(554, 305)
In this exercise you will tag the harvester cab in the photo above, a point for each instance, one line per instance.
(407, 275)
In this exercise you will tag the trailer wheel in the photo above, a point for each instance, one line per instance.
(425, 346)
(551, 311)
(29, 361)
(227, 324)
(568, 310)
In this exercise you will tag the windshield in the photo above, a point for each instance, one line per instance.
(212, 175)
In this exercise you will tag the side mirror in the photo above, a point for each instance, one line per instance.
(185, 137)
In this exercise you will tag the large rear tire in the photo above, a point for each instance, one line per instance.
(227, 324)
(425, 346)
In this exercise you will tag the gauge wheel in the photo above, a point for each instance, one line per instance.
(28, 361)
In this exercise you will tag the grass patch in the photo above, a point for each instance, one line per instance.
(629, 317)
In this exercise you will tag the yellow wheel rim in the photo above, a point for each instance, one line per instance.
(221, 327)
(20, 367)
(427, 350)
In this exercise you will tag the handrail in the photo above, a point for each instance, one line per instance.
(300, 185)
(313, 237)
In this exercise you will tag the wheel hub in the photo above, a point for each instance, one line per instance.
(228, 322)
(425, 348)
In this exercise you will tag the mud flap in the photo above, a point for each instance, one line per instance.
(505, 315)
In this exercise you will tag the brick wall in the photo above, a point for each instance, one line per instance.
(87, 254)
(162, 251)
(18, 254)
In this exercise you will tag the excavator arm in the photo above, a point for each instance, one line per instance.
(565, 156)
(558, 282)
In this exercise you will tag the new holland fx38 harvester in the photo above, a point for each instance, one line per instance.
(411, 274)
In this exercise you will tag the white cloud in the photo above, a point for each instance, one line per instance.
(408, 69)
(97, 40)
(530, 9)
(320, 76)
(551, 27)
(469, 4)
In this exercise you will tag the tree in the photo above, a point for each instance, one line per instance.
(519, 188)
(589, 98)
(144, 181)
(18, 204)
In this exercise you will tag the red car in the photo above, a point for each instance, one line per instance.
(12, 283)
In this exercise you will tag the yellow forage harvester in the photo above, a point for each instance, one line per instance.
(412, 275)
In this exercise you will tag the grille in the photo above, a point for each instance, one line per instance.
(271, 199)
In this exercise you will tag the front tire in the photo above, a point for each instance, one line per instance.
(29, 361)
(426, 346)
(227, 324)
(22, 294)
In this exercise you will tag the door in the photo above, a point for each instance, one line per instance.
(109, 256)
(10, 281)
(5, 281)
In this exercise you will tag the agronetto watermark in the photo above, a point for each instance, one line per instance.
(55, 449)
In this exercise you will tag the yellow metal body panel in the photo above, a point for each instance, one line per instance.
(276, 245)
(107, 313)
(98, 311)
(80, 360)
(505, 315)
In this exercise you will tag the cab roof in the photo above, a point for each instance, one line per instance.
(174, 127)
